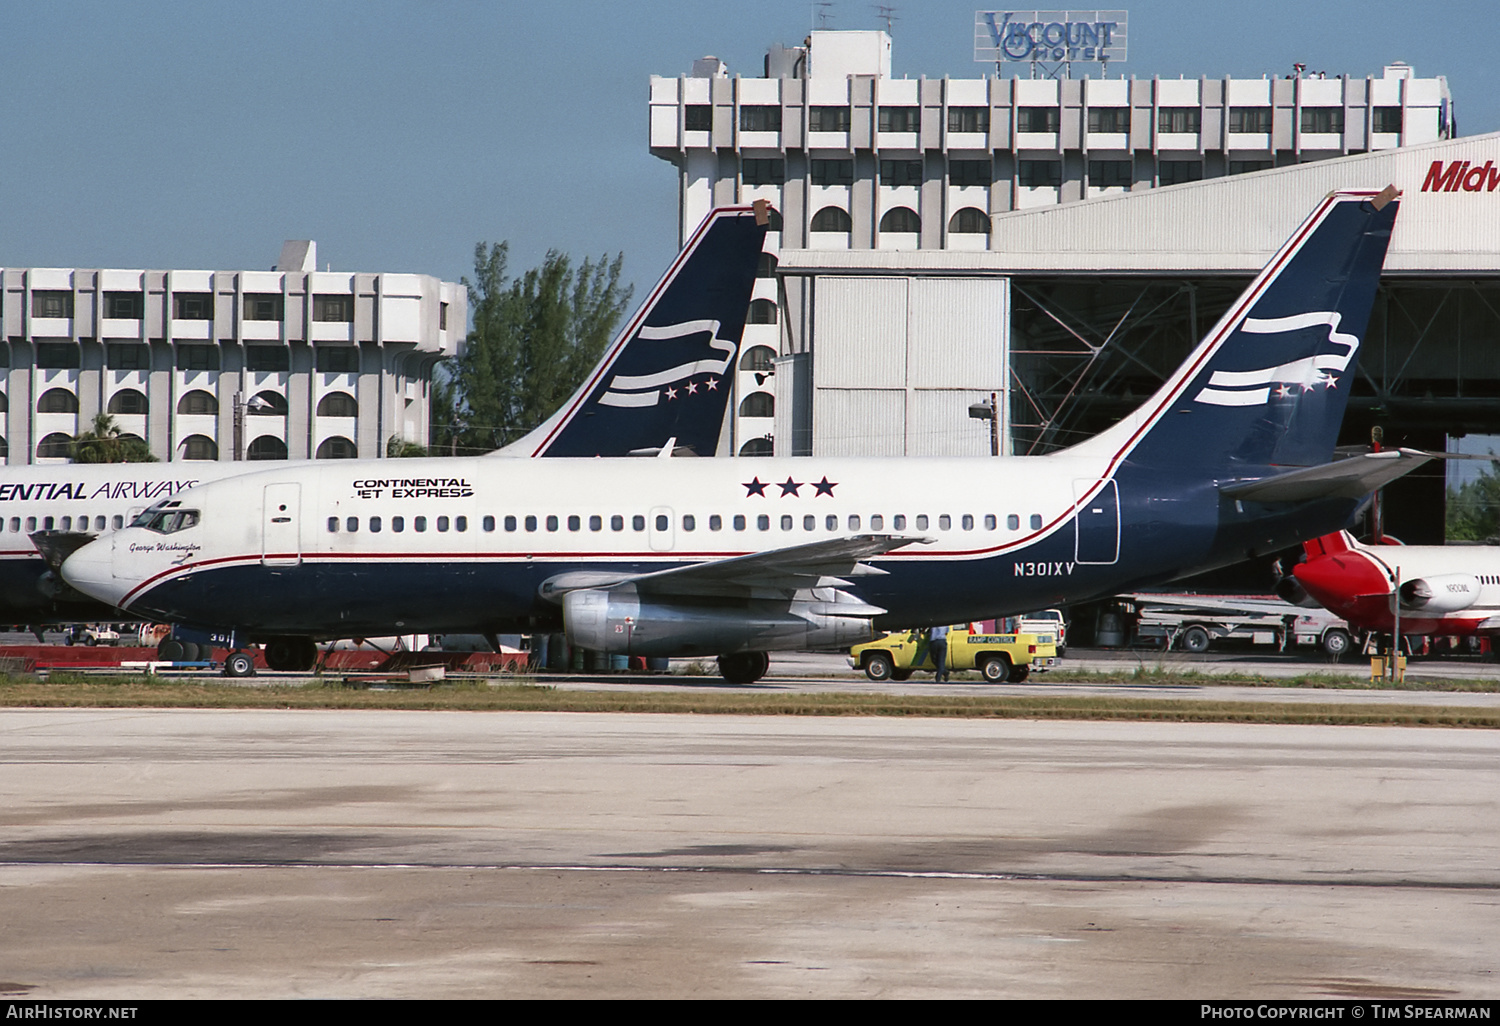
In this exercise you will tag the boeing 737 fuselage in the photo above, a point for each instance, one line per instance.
(739, 557)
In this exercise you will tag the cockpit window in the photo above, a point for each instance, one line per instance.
(148, 516)
(168, 521)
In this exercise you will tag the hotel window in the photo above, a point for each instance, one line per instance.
(1109, 119)
(126, 306)
(698, 117)
(832, 219)
(1175, 172)
(333, 308)
(128, 356)
(900, 172)
(57, 355)
(267, 358)
(262, 306)
(52, 303)
(760, 118)
(1322, 119)
(763, 170)
(968, 119)
(1109, 174)
(193, 306)
(197, 357)
(900, 119)
(1037, 119)
(338, 359)
(833, 172)
(1037, 173)
(1177, 119)
(1240, 167)
(1387, 119)
(1250, 119)
(828, 119)
(969, 172)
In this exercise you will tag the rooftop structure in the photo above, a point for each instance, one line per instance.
(291, 363)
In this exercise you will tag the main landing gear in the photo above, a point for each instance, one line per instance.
(291, 654)
(744, 667)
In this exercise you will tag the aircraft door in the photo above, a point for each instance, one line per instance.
(281, 526)
(1098, 522)
(663, 537)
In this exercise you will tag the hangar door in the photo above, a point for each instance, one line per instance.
(897, 361)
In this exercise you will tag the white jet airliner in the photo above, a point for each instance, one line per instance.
(687, 333)
(740, 557)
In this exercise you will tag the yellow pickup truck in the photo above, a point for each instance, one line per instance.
(999, 657)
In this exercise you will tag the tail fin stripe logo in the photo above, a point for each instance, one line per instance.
(1307, 372)
(630, 389)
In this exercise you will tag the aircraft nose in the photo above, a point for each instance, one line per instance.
(91, 570)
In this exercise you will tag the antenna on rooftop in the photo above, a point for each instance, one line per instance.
(886, 13)
(821, 14)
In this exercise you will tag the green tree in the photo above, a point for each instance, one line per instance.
(535, 338)
(398, 448)
(1474, 508)
(103, 443)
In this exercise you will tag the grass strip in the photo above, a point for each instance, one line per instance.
(479, 696)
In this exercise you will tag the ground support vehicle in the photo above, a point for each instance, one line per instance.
(1045, 621)
(999, 657)
(1193, 622)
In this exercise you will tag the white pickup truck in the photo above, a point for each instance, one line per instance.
(1047, 621)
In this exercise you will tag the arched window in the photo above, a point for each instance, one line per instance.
(4, 403)
(969, 221)
(901, 220)
(832, 219)
(199, 447)
(757, 447)
(766, 268)
(266, 447)
(758, 404)
(773, 216)
(338, 404)
(56, 446)
(762, 311)
(4, 448)
(57, 400)
(337, 448)
(198, 402)
(267, 404)
(758, 358)
(128, 400)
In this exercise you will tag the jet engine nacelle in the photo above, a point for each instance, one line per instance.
(1445, 593)
(621, 621)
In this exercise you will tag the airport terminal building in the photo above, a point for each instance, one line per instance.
(291, 363)
(1061, 244)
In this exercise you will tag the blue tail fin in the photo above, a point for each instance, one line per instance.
(667, 374)
(1268, 385)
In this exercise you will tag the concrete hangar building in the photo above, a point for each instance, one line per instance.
(1062, 243)
(291, 363)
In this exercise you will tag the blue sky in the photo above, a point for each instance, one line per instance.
(399, 134)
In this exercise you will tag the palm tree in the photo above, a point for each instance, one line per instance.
(104, 444)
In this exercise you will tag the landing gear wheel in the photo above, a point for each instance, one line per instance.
(1194, 639)
(298, 654)
(1018, 674)
(169, 651)
(878, 667)
(239, 664)
(996, 669)
(744, 667)
(1337, 643)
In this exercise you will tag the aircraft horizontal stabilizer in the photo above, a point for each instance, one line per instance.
(1353, 478)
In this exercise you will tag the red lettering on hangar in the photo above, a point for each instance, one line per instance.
(1461, 175)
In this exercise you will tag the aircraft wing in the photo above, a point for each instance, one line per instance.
(1352, 478)
(1214, 604)
(777, 573)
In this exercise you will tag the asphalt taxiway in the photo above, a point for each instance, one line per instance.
(157, 853)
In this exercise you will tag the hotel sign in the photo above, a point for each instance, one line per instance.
(1051, 37)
